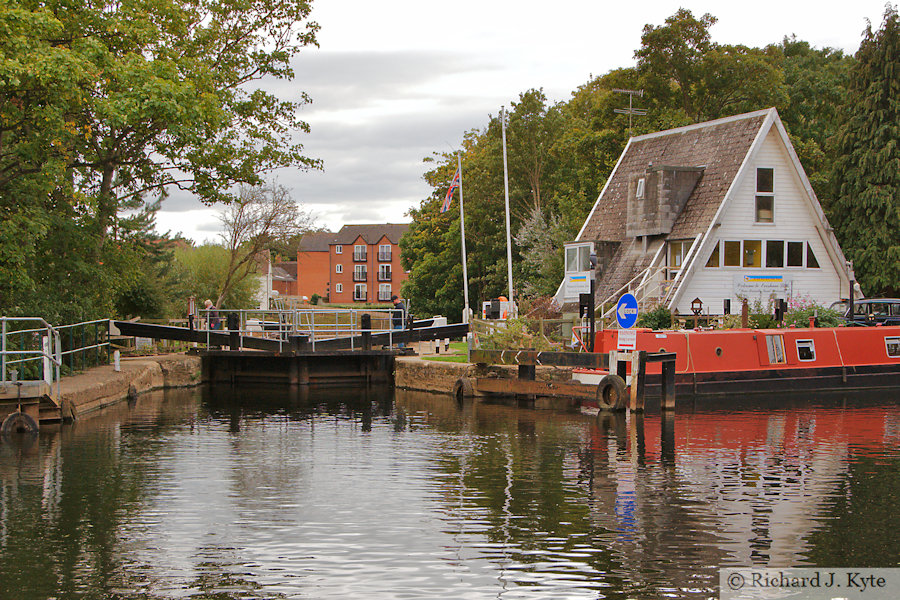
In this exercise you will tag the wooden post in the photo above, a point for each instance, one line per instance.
(366, 326)
(527, 372)
(667, 440)
(668, 385)
(638, 378)
(745, 314)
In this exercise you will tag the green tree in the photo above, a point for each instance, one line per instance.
(865, 210)
(202, 270)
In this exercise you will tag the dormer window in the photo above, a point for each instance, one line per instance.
(639, 193)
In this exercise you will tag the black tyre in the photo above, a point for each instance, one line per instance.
(611, 393)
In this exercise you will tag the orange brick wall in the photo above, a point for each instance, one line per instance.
(345, 258)
(312, 274)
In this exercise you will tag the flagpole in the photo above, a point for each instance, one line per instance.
(506, 196)
(462, 231)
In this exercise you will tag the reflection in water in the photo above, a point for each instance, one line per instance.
(346, 493)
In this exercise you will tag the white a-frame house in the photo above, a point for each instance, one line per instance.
(717, 210)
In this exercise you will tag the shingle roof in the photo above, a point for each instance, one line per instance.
(316, 241)
(371, 233)
(289, 268)
(279, 273)
(719, 146)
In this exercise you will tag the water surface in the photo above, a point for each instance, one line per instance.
(228, 494)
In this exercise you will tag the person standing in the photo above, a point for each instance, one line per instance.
(398, 318)
(212, 315)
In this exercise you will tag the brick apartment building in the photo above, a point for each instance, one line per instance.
(359, 263)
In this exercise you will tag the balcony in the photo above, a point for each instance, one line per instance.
(359, 295)
(384, 256)
(359, 275)
(384, 296)
(360, 254)
(384, 275)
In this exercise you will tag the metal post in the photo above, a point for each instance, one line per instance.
(506, 196)
(3, 352)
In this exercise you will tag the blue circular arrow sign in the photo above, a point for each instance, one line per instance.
(627, 311)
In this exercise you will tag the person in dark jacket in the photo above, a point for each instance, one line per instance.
(212, 315)
(398, 318)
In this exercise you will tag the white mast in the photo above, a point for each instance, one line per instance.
(506, 196)
(462, 231)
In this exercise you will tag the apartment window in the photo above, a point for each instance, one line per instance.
(384, 292)
(752, 253)
(359, 252)
(384, 253)
(639, 193)
(338, 249)
(713, 261)
(359, 291)
(765, 195)
(359, 273)
(774, 254)
(384, 272)
(338, 268)
(338, 288)
(732, 254)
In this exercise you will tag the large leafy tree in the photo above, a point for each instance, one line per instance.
(865, 209)
(105, 104)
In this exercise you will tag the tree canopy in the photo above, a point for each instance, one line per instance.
(107, 105)
(561, 153)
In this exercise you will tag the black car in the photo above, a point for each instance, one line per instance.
(871, 311)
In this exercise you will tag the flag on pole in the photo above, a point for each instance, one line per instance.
(454, 183)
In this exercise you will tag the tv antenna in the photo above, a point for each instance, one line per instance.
(630, 111)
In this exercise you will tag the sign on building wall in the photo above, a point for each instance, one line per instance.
(762, 286)
(578, 269)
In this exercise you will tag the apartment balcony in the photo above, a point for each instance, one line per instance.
(359, 256)
(359, 276)
(384, 276)
(384, 296)
(359, 296)
(384, 256)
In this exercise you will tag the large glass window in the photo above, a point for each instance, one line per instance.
(795, 254)
(677, 250)
(811, 262)
(732, 254)
(752, 253)
(713, 261)
(774, 254)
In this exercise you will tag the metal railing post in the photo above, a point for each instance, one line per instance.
(3, 353)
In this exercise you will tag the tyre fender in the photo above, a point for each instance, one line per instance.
(611, 393)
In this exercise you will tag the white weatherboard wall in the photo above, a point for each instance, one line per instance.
(794, 221)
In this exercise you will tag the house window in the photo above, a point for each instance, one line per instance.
(384, 253)
(359, 292)
(338, 268)
(806, 350)
(774, 254)
(795, 254)
(775, 346)
(359, 273)
(732, 254)
(765, 198)
(713, 261)
(811, 262)
(359, 252)
(639, 193)
(338, 288)
(677, 250)
(384, 292)
(384, 272)
(752, 253)
(338, 249)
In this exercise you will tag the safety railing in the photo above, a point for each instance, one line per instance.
(30, 351)
(315, 323)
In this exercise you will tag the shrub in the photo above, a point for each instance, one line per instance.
(658, 318)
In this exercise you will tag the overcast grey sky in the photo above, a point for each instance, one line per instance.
(395, 80)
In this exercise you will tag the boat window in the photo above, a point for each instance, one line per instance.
(806, 350)
(893, 346)
(775, 345)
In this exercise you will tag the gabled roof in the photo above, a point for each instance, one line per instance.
(285, 269)
(316, 241)
(720, 147)
(371, 233)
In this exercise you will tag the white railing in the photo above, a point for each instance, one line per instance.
(49, 356)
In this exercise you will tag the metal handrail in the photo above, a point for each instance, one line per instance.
(54, 356)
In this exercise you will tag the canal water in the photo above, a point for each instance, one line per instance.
(373, 494)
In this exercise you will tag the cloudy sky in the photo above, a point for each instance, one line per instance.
(396, 80)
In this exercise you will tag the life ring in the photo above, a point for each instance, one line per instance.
(611, 393)
(19, 422)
